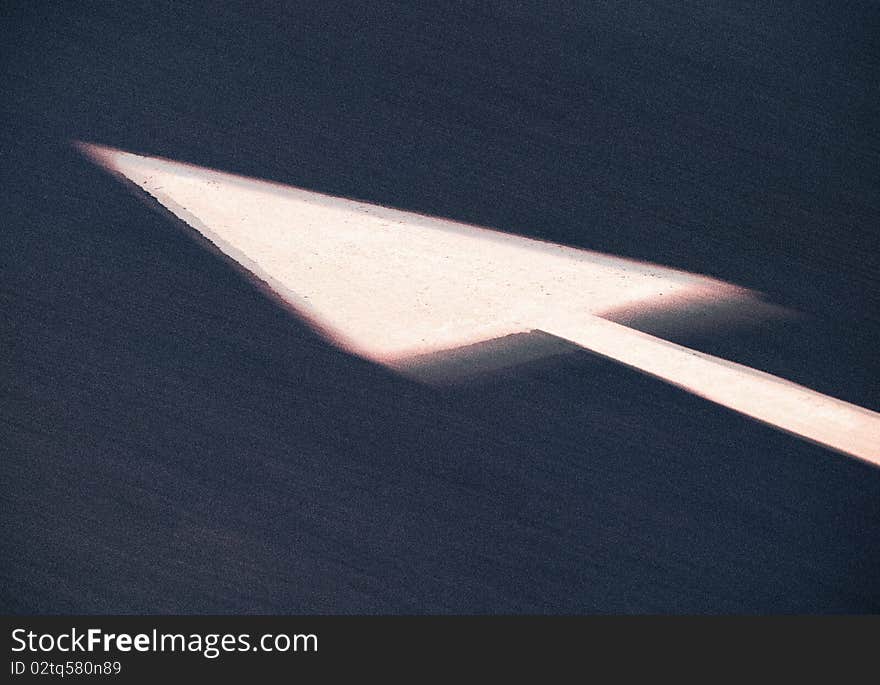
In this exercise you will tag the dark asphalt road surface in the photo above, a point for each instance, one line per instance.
(173, 441)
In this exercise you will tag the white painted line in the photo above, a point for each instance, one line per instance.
(391, 285)
(793, 408)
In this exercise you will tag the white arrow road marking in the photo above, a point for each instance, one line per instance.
(392, 286)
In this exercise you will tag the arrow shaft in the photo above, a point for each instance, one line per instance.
(791, 407)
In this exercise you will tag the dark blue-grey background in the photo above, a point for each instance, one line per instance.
(173, 441)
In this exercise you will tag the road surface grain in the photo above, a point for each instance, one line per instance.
(173, 441)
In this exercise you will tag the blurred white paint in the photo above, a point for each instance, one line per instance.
(392, 286)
